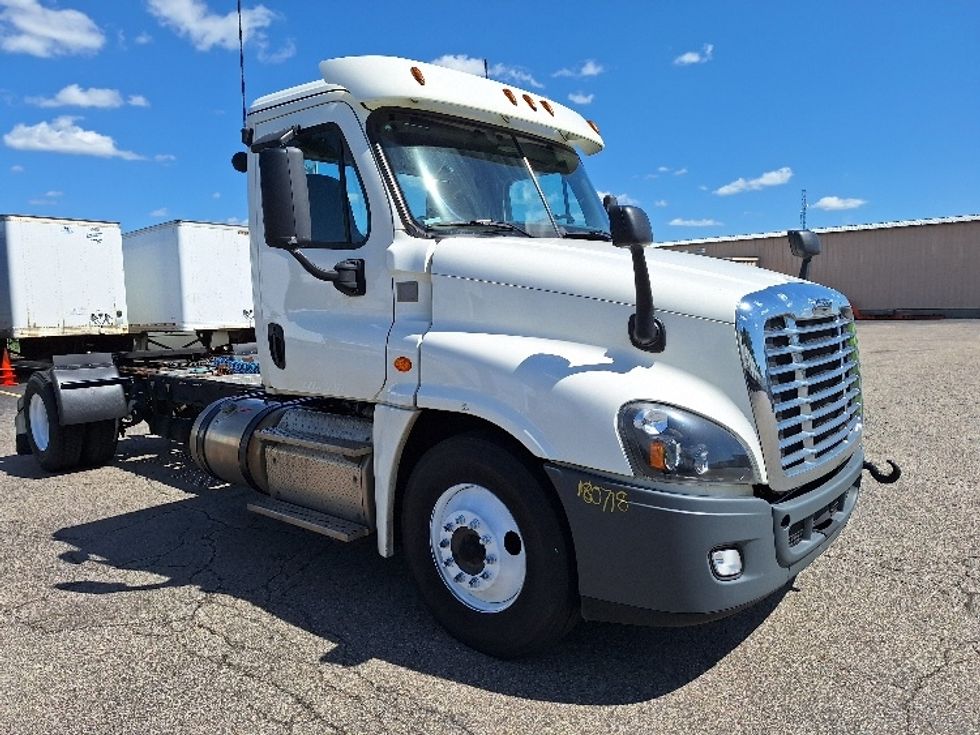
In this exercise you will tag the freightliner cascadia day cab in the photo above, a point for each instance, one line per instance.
(464, 352)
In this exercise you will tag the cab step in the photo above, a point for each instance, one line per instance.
(312, 520)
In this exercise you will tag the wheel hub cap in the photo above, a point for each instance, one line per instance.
(476, 548)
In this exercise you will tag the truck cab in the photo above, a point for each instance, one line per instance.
(465, 352)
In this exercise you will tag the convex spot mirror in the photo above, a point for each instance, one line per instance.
(285, 198)
(629, 226)
(804, 243)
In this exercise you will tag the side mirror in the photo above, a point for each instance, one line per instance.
(629, 226)
(285, 198)
(804, 244)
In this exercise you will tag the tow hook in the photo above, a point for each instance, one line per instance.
(881, 476)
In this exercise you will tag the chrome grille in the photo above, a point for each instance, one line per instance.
(811, 366)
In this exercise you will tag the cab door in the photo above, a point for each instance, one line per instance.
(314, 339)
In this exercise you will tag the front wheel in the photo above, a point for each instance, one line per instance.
(487, 548)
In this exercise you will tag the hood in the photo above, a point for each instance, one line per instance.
(682, 283)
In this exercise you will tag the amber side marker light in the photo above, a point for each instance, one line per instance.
(530, 102)
(593, 126)
(419, 77)
(402, 364)
(548, 108)
(511, 96)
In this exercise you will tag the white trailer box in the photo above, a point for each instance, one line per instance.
(188, 276)
(60, 277)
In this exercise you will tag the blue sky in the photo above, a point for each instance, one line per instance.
(715, 114)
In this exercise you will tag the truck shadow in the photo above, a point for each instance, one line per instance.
(363, 606)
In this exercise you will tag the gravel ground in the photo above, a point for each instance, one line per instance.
(142, 598)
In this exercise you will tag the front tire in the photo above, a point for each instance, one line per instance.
(487, 548)
(56, 447)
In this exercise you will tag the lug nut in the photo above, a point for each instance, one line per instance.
(448, 527)
(459, 578)
(475, 523)
(448, 561)
(460, 520)
(486, 539)
(475, 582)
(491, 559)
(485, 575)
(444, 543)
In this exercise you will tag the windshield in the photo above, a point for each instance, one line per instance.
(458, 176)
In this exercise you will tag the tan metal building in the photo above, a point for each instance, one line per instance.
(912, 267)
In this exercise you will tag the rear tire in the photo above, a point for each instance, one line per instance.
(488, 551)
(99, 445)
(56, 447)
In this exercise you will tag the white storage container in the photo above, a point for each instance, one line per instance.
(188, 276)
(60, 277)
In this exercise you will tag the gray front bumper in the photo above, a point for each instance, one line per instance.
(647, 559)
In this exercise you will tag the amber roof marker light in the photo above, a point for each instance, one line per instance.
(530, 102)
(511, 96)
(593, 126)
(548, 108)
(419, 77)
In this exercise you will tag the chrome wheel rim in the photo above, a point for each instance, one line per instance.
(477, 548)
(40, 430)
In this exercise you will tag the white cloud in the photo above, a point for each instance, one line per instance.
(160, 213)
(62, 135)
(49, 197)
(702, 187)
(581, 98)
(835, 204)
(16, 169)
(703, 56)
(241, 221)
(769, 178)
(216, 195)
(75, 96)
(287, 51)
(460, 62)
(500, 72)
(620, 198)
(679, 222)
(164, 158)
(660, 203)
(588, 69)
(143, 39)
(680, 172)
(663, 169)
(206, 29)
(27, 27)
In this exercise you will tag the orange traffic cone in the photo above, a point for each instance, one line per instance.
(7, 375)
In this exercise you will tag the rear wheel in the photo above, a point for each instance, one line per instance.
(56, 447)
(487, 548)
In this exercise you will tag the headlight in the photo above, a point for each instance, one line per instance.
(667, 443)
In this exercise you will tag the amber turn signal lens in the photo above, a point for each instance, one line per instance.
(402, 364)
(658, 456)
(511, 96)
(417, 73)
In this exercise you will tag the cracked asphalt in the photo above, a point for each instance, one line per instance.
(142, 598)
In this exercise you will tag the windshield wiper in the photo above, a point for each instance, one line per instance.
(491, 223)
(586, 235)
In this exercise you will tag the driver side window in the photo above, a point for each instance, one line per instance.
(338, 205)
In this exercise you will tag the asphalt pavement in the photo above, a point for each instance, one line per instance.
(143, 598)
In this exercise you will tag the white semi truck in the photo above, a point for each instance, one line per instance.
(464, 353)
